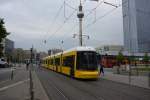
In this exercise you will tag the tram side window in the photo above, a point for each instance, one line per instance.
(50, 61)
(68, 61)
(57, 61)
(53, 60)
(46, 61)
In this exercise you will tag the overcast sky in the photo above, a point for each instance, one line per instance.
(33, 21)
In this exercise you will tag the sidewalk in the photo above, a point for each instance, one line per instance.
(18, 88)
(39, 91)
(140, 81)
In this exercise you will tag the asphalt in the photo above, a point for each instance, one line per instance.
(61, 87)
(19, 74)
(16, 88)
(5, 74)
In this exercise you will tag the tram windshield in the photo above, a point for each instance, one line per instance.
(86, 60)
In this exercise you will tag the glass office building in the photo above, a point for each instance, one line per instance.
(136, 25)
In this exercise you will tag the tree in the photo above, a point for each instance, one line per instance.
(146, 59)
(133, 61)
(3, 34)
(120, 59)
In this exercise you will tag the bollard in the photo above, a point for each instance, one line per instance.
(129, 77)
(149, 79)
(12, 74)
(32, 95)
(31, 86)
(130, 74)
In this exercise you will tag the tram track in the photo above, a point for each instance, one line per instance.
(74, 89)
(79, 88)
(59, 91)
(53, 85)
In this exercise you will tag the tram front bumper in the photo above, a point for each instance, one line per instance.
(87, 74)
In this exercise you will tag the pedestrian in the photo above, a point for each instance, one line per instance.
(39, 64)
(27, 65)
(102, 70)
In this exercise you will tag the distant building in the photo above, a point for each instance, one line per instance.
(54, 51)
(43, 54)
(109, 48)
(8, 46)
(27, 54)
(136, 25)
(40, 55)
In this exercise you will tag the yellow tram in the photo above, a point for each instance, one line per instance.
(79, 62)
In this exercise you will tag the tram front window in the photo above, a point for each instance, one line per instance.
(86, 60)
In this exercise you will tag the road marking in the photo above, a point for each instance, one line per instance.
(100, 98)
(13, 85)
(3, 81)
(7, 70)
(60, 92)
(4, 71)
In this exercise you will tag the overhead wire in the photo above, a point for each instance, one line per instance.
(85, 17)
(70, 6)
(56, 16)
(54, 20)
(60, 27)
(66, 19)
(98, 18)
(74, 26)
(91, 11)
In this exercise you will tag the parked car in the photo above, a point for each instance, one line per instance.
(3, 63)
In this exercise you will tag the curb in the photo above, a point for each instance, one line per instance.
(39, 92)
(132, 84)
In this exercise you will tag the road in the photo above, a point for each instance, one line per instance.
(4, 74)
(61, 87)
(18, 87)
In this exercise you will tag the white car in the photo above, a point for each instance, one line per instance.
(3, 63)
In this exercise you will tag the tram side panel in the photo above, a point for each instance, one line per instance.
(68, 63)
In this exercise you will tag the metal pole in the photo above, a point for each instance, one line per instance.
(130, 43)
(12, 74)
(129, 74)
(31, 86)
(80, 31)
(149, 79)
(30, 75)
(80, 15)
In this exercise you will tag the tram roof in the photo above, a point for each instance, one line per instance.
(83, 48)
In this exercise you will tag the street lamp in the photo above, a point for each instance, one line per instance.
(83, 35)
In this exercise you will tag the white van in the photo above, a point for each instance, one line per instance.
(3, 63)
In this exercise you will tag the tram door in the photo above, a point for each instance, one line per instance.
(61, 61)
(72, 59)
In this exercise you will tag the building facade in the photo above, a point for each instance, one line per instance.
(136, 25)
(54, 51)
(109, 48)
(8, 46)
